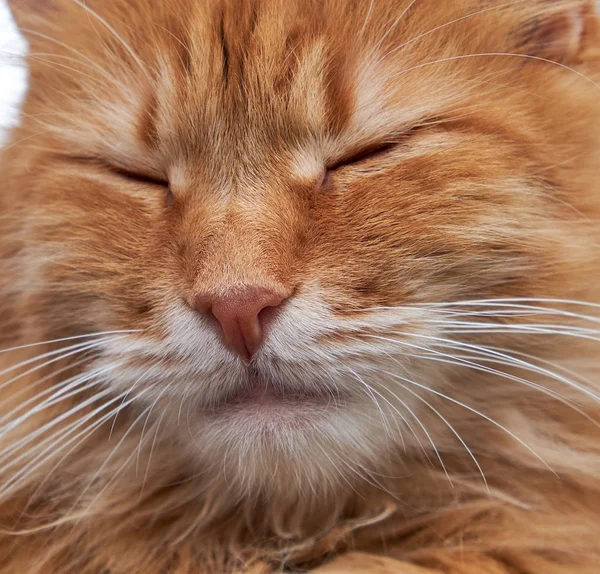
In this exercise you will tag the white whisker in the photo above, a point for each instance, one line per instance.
(91, 62)
(31, 437)
(496, 54)
(145, 479)
(79, 348)
(369, 392)
(393, 26)
(44, 392)
(513, 361)
(476, 412)
(65, 339)
(131, 389)
(160, 395)
(340, 473)
(71, 388)
(450, 23)
(452, 429)
(517, 301)
(54, 447)
(424, 429)
(112, 454)
(117, 36)
(544, 328)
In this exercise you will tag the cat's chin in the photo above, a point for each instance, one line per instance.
(288, 444)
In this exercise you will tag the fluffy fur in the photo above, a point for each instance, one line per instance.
(422, 176)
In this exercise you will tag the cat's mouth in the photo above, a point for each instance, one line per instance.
(258, 394)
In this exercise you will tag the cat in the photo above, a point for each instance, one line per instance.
(302, 285)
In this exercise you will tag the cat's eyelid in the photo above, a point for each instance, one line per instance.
(372, 149)
(137, 175)
(361, 154)
(150, 177)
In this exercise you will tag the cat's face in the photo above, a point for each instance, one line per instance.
(273, 194)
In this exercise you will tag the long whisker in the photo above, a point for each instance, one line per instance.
(91, 62)
(495, 307)
(131, 389)
(47, 59)
(47, 476)
(145, 479)
(574, 375)
(402, 417)
(491, 355)
(461, 361)
(65, 339)
(27, 138)
(469, 362)
(73, 448)
(128, 460)
(496, 54)
(393, 26)
(506, 359)
(530, 331)
(117, 36)
(517, 301)
(70, 388)
(57, 355)
(48, 426)
(369, 392)
(450, 23)
(558, 328)
(340, 473)
(112, 454)
(45, 391)
(160, 395)
(424, 429)
(513, 361)
(368, 17)
(452, 429)
(59, 67)
(54, 449)
(355, 467)
(476, 412)
(517, 311)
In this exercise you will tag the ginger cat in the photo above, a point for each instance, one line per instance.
(302, 285)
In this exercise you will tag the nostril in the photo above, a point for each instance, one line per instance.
(243, 315)
(268, 315)
(203, 303)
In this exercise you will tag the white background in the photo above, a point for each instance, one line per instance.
(12, 73)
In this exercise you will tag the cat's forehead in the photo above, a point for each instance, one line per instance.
(268, 85)
(255, 82)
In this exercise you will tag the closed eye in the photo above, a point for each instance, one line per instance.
(138, 177)
(374, 151)
(357, 157)
(123, 171)
(141, 179)
(364, 154)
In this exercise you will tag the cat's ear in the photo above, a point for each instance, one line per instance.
(561, 34)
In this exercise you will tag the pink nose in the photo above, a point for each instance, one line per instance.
(243, 316)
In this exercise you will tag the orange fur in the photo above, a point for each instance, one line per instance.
(263, 116)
